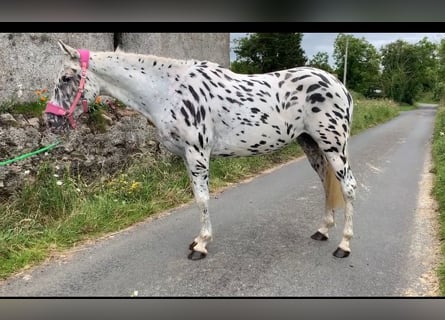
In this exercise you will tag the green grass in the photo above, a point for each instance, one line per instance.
(369, 113)
(439, 184)
(28, 109)
(58, 210)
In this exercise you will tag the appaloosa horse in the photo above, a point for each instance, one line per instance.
(201, 109)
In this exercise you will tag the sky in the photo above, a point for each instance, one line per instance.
(315, 42)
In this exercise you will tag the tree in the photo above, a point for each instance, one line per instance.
(267, 52)
(321, 60)
(439, 92)
(409, 69)
(363, 63)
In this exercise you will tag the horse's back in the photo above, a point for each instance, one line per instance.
(239, 115)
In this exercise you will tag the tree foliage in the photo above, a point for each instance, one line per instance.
(267, 52)
(409, 69)
(403, 71)
(321, 60)
(363, 62)
(439, 90)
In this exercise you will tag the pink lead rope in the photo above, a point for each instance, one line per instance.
(59, 111)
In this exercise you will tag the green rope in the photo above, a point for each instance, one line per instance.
(30, 154)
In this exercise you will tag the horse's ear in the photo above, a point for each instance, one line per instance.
(73, 53)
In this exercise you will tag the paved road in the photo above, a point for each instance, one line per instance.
(262, 229)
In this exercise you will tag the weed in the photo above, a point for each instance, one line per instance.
(439, 184)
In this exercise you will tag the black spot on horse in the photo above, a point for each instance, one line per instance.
(266, 84)
(332, 120)
(312, 87)
(194, 94)
(300, 78)
(201, 140)
(203, 93)
(264, 117)
(186, 116)
(289, 128)
(190, 107)
(331, 149)
(234, 100)
(323, 84)
(322, 77)
(205, 75)
(245, 89)
(338, 114)
(316, 97)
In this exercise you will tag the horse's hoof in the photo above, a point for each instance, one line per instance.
(196, 255)
(340, 253)
(192, 245)
(319, 236)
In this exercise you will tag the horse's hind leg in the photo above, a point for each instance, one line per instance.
(333, 168)
(197, 164)
(340, 165)
(319, 163)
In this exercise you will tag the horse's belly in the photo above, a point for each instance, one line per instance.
(251, 141)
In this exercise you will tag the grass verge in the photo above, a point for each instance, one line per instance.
(439, 184)
(58, 211)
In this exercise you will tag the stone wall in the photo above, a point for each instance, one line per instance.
(30, 61)
(200, 46)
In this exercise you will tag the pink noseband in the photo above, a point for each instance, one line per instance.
(58, 110)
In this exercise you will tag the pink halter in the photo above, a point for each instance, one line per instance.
(59, 111)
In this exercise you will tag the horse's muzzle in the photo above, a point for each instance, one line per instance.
(56, 119)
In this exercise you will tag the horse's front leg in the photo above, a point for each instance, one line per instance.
(198, 168)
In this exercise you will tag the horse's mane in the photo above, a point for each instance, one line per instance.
(159, 58)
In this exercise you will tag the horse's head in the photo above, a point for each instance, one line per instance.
(74, 86)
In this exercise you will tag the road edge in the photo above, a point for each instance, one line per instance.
(425, 246)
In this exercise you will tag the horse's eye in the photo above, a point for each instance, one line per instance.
(66, 78)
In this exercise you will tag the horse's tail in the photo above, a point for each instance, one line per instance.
(334, 193)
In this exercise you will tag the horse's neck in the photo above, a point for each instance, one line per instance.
(140, 81)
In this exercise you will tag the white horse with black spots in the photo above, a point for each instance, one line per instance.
(201, 109)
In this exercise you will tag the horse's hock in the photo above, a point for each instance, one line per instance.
(29, 62)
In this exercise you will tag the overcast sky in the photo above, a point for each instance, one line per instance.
(315, 42)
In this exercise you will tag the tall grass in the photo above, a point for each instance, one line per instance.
(58, 210)
(439, 184)
(369, 113)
